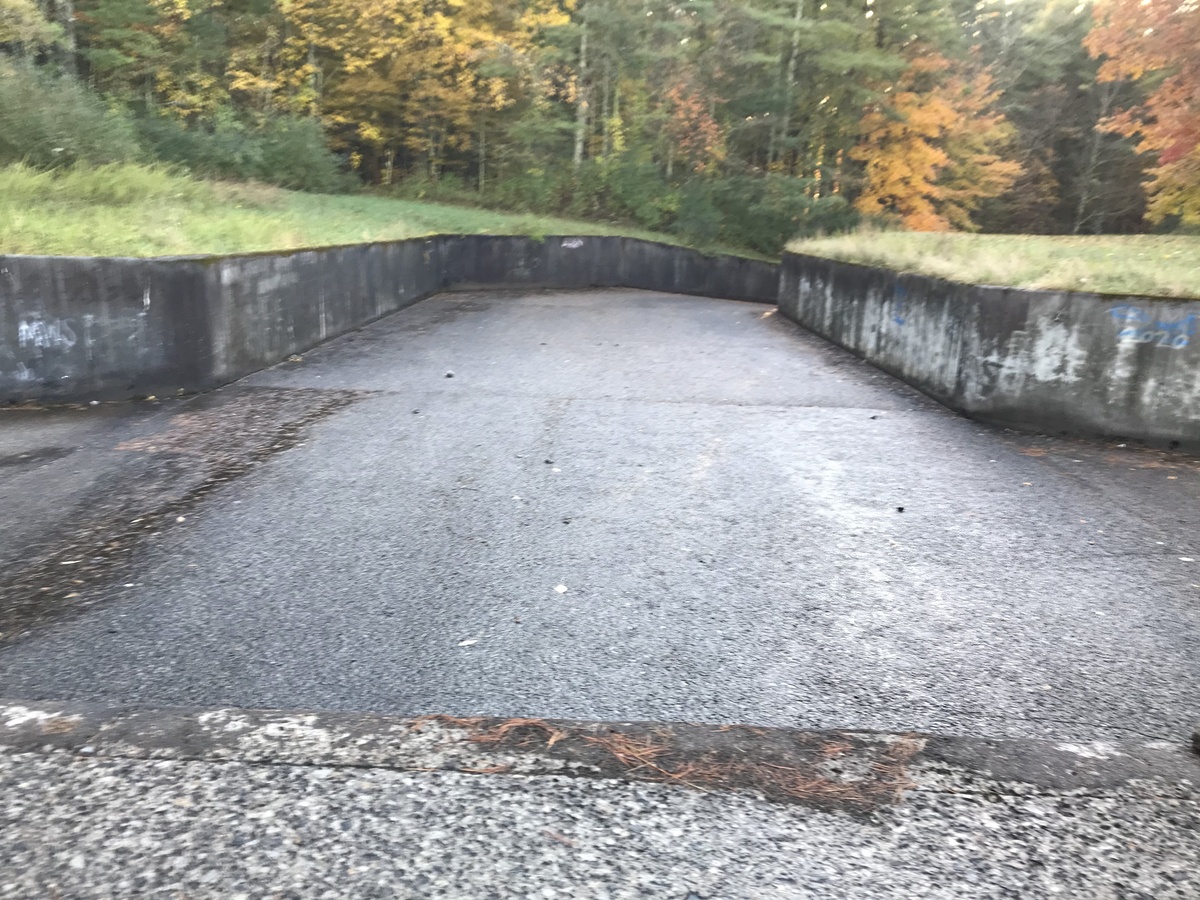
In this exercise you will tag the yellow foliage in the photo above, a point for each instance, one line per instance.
(22, 23)
(929, 148)
(402, 74)
(1135, 39)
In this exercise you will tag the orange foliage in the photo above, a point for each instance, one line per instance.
(929, 148)
(1140, 38)
(692, 128)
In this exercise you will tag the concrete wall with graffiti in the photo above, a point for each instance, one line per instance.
(1053, 361)
(76, 328)
(83, 329)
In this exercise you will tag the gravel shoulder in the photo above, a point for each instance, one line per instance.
(240, 803)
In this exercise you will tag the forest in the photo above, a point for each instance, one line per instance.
(749, 122)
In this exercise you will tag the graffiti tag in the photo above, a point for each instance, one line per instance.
(899, 306)
(1141, 327)
(56, 334)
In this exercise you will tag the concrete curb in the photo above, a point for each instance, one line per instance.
(847, 770)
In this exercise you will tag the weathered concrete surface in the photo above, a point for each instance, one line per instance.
(719, 494)
(1059, 362)
(228, 803)
(84, 328)
(86, 487)
(720, 503)
(74, 329)
(103, 827)
(859, 772)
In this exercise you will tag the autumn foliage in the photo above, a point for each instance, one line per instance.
(694, 132)
(930, 148)
(743, 121)
(1157, 42)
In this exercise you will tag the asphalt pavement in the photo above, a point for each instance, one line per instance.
(614, 506)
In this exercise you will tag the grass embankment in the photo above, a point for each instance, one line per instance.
(125, 210)
(1155, 265)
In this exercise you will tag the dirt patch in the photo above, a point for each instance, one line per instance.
(34, 457)
(846, 771)
(215, 439)
(1117, 453)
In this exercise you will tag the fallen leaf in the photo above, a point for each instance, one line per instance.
(558, 837)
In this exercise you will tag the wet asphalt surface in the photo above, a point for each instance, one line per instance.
(719, 494)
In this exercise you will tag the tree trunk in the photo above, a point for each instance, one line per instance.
(482, 156)
(790, 83)
(65, 14)
(616, 105)
(1086, 181)
(314, 81)
(581, 103)
(606, 110)
(1089, 179)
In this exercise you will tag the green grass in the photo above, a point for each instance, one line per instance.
(125, 210)
(1154, 265)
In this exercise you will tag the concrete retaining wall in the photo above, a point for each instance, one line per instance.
(95, 328)
(1052, 361)
(73, 328)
